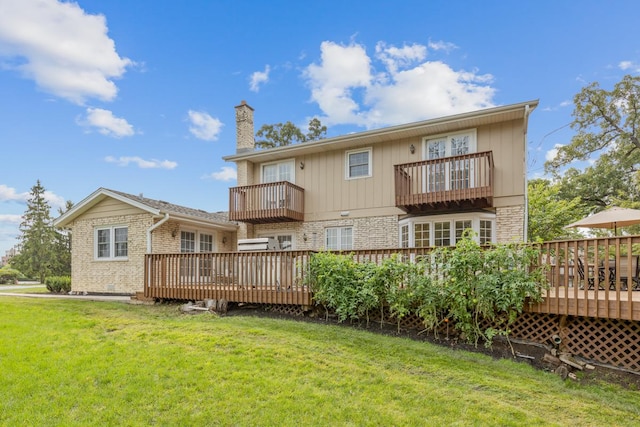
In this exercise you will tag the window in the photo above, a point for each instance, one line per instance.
(275, 172)
(486, 235)
(446, 230)
(421, 235)
(454, 174)
(196, 268)
(358, 164)
(404, 236)
(285, 241)
(111, 243)
(206, 243)
(460, 227)
(442, 233)
(339, 238)
(187, 242)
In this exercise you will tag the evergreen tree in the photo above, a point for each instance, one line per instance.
(61, 265)
(37, 237)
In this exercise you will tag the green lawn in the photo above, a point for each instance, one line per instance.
(26, 289)
(69, 362)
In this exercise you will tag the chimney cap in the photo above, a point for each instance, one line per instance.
(243, 103)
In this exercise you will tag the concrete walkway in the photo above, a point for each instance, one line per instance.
(117, 298)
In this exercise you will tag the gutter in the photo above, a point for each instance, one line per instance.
(527, 111)
(153, 227)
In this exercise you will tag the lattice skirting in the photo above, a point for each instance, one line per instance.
(607, 341)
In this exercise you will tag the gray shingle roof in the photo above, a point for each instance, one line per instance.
(170, 208)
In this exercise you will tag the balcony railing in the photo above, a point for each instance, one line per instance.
(464, 181)
(264, 203)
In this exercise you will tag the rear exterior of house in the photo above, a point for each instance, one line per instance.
(415, 185)
(113, 231)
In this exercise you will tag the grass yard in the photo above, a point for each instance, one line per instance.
(67, 362)
(24, 289)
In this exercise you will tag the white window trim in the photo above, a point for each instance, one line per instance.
(473, 143)
(292, 162)
(339, 237)
(112, 243)
(474, 217)
(346, 163)
(197, 241)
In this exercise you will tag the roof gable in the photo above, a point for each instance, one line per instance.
(151, 206)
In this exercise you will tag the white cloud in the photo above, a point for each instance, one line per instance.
(66, 51)
(8, 194)
(258, 78)
(225, 174)
(10, 219)
(203, 126)
(142, 163)
(106, 123)
(552, 153)
(629, 65)
(441, 45)
(54, 200)
(349, 90)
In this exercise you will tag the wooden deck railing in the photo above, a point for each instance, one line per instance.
(254, 277)
(592, 277)
(264, 203)
(465, 180)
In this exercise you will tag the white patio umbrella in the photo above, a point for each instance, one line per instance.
(611, 218)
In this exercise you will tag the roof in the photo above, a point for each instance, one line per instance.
(154, 207)
(411, 130)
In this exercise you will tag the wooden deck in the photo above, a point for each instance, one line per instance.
(591, 303)
(605, 286)
(252, 277)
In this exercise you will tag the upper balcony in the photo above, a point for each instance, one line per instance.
(264, 203)
(457, 182)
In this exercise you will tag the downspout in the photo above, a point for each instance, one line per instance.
(153, 227)
(527, 111)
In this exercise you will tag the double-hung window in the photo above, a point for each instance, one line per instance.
(358, 163)
(339, 238)
(111, 243)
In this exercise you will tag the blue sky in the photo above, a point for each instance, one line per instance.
(138, 96)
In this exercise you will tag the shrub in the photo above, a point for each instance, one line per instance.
(9, 276)
(465, 284)
(58, 284)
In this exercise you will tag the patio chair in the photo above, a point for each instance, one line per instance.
(590, 280)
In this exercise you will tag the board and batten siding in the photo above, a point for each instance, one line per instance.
(328, 192)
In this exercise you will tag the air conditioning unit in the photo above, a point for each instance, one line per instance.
(258, 244)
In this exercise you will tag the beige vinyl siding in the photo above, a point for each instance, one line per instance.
(110, 208)
(328, 192)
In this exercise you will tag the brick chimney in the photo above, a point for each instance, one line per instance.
(244, 128)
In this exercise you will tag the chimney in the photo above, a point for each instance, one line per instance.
(244, 128)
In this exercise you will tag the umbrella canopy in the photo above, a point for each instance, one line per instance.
(610, 218)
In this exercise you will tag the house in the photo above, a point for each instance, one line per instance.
(112, 231)
(413, 185)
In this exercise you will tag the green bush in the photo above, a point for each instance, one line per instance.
(9, 276)
(58, 284)
(465, 284)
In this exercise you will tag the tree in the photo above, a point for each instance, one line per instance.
(37, 237)
(549, 212)
(281, 134)
(61, 265)
(608, 128)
